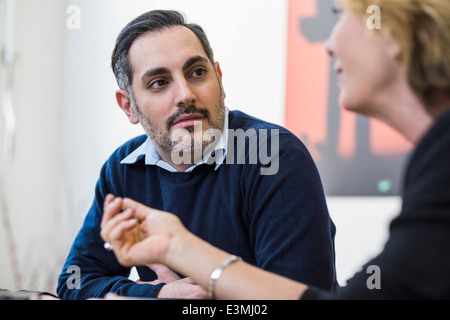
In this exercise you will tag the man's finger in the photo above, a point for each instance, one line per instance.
(164, 273)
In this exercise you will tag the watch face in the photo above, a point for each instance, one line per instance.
(355, 156)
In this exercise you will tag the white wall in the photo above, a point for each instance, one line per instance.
(32, 173)
(362, 227)
(68, 122)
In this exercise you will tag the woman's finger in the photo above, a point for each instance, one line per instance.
(111, 207)
(118, 231)
(108, 199)
(110, 223)
(140, 211)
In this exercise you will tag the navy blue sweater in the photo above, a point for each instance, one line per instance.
(278, 222)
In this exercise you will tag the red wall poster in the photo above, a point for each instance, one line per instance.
(356, 156)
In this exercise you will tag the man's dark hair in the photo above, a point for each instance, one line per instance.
(151, 21)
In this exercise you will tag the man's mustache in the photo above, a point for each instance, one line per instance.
(186, 110)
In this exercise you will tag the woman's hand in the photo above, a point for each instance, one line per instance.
(138, 234)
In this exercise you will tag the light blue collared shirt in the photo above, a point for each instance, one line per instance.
(152, 157)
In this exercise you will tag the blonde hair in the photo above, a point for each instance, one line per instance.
(422, 30)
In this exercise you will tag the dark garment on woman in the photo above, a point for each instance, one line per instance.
(415, 262)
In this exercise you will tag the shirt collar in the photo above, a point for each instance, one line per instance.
(152, 157)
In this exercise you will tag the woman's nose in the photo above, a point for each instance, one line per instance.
(328, 48)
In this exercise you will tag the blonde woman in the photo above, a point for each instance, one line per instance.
(399, 74)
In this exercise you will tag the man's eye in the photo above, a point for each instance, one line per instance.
(157, 84)
(198, 73)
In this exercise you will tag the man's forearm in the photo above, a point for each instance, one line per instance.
(98, 287)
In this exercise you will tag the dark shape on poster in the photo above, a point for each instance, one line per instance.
(364, 174)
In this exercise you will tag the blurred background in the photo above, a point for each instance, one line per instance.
(59, 120)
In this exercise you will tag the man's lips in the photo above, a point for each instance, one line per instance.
(187, 120)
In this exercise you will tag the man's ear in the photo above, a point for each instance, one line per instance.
(219, 73)
(124, 102)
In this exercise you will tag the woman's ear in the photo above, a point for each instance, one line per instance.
(124, 102)
(393, 50)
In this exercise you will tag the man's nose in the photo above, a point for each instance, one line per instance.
(184, 94)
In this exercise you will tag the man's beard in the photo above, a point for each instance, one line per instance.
(172, 143)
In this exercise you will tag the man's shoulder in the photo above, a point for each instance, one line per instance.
(276, 136)
(241, 122)
(128, 147)
(244, 121)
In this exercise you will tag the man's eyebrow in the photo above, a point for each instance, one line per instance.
(161, 70)
(194, 60)
(153, 72)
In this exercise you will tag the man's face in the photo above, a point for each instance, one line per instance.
(175, 86)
